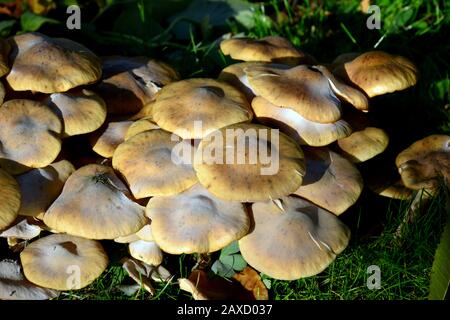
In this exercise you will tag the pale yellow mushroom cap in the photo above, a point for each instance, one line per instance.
(9, 199)
(269, 49)
(146, 251)
(129, 83)
(49, 65)
(81, 111)
(29, 135)
(196, 221)
(293, 239)
(141, 125)
(105, 140)
(309, 90)
(303, 131)
(425, 162)
(331, 181)
(209, 103)
(63, 262)
(151, 165)
(363, 145)
(4, 53)
(14, 285)
(40, 187)
(249, 162)
(94, 205)
(378, 72)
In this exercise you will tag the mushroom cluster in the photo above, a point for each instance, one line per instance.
(119, 148)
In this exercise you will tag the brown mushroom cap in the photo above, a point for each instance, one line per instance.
(9, 199)
(94, 205)
(247, 175)
(40, 187)
(331, 181)
(63, 262)
(425, 162)
(129, 83)
(105, 141)
(14, 286)
(195, 221)
(294, 239)
(378, 72)
(269, 49)
(211, 103)
(4, 53)
(147, 163)
(81, 111)
(304, 131)
(310, 91)
(44, 64)
(28, 135)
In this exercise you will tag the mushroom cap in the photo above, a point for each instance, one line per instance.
(269, 166)
(9, 199)
(94, 205)
(2, 93)
(298, 241)
(195, 221)
(28, 135)
(269, 49)
(393, 190)
(63, 262)
(235, 75)
(141, 125)
(303, 131)
(145, 233)
(105, 141)
(303, 88)
(4, 53)
(48, 65)
(331, 181)
(129, 83)
(81, 111)
(363, 145)
(23, 228)
(210, 103)
(40, 187)
(424, 162)
(378, 72)
(146, 251)
(14, 286)
(150, 165)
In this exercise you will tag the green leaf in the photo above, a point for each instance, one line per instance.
(5, 27)
(235, 261)
(222, 270)
(440, 271)
(230, 249)
(32, 22)
(267, 283)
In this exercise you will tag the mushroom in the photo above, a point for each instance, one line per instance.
(308, 90)
(378, 72)
(195, 221)
(331, 181)
(80, 111)
(23, 228)
(293, 239)
(49, 65)
(63, 262)
(94, 205)
(363, 145)
(28, 136)
(193, 108)
(146, 251)
(151, 166)
(105, 140)
(9, 199)
(303, 131)
(269, 49)
(2, 93)
(145, 233)
(232, 169)
(129, 83)
(4, 53)
(14, 286)
(40, 187)
(141, 125)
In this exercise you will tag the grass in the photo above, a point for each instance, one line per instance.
(417, 29)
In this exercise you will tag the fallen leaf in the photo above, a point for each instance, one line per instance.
(252, 282)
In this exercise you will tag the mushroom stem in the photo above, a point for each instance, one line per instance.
(203, 261)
